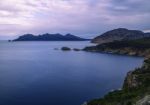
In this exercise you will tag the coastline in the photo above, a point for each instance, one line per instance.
(130, 83)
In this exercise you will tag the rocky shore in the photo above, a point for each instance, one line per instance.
(136, 86)
(140, 47)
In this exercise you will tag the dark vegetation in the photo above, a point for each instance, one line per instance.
(138, 47)
(137, 44)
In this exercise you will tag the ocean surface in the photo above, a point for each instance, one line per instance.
(33, 73)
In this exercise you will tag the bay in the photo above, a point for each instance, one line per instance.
(33, 73)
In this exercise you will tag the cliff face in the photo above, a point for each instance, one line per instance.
(135, 90)
(119, 35)
(139, 77)
(131, 80)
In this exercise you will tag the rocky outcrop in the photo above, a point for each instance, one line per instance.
(144, 101)
(119, 35)
(76, 49)
(65, 49)
(131, 80)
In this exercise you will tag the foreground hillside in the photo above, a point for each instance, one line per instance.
(136, 87)
(119, 35)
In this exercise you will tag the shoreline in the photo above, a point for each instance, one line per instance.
(136, 84)
(103, 52)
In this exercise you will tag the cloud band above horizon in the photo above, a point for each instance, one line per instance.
(81, 17)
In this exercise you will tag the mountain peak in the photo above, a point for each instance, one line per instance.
(121, 29)
(69, 34)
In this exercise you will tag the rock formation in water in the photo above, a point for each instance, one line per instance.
(65, 49)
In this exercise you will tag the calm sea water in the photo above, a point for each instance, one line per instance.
(33, 73)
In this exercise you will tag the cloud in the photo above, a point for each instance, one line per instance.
(81, 17)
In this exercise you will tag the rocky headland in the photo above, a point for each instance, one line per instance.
(136, 86)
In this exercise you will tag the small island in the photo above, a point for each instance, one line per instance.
(65, 49)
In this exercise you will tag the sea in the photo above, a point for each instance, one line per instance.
(40, 73)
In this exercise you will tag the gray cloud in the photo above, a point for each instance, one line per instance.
(86, 18)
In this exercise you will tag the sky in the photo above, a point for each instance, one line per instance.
(85, 18)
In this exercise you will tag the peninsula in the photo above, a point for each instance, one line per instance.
(136, 86)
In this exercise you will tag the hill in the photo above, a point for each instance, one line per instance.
(119, 35)
(49, 37)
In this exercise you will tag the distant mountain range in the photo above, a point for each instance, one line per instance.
(49, 37)
(119, 35)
